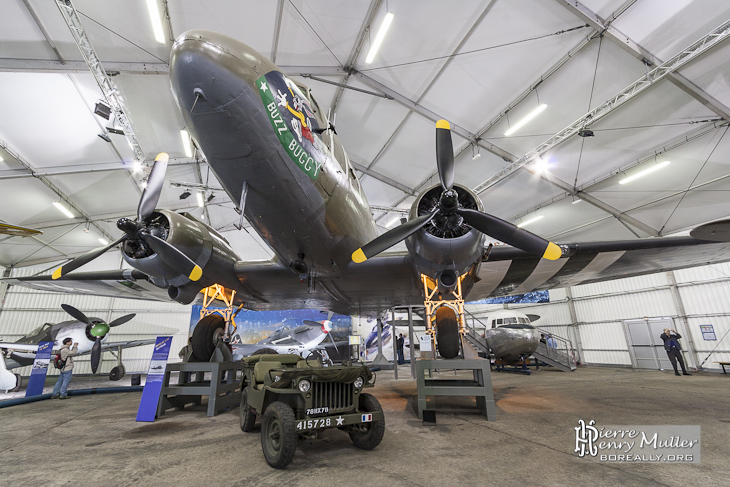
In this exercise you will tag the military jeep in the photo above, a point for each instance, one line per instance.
(300, 398)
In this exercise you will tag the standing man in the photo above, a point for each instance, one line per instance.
(400, 342)
(673, 348)
(67, 353)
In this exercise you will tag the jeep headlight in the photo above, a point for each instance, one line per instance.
(304, 385)
(359, 382)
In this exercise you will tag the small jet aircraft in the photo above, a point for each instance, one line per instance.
(89, 333)
(301, 340)
(278, 158)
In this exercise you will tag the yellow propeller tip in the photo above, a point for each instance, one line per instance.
(57, 273)
(162, 156)
(443, 124)
(358, 256)
(552, 252)
(196, 273)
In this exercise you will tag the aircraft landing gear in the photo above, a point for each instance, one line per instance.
(448, 315)
(18, 384)
(214, 325)
(118, 371)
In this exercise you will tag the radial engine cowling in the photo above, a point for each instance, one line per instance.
(446, 245)
(202, 244)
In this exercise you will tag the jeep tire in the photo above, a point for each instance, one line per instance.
(248, 416)
(368, 435)
(278, 434)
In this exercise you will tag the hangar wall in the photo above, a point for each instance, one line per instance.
(25, 309)
(689, 297)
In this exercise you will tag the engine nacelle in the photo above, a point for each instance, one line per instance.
(201, 243)
(446, 245)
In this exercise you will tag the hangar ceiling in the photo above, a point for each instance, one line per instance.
(482, 65)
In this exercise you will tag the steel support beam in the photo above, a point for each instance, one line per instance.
(78, 169)
(692, 52)
(381, 178)
(112, 68)
(277, 30)
(614, 35)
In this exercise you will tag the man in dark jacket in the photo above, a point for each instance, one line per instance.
(674, 349)
(67, 353)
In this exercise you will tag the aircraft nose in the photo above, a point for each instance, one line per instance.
(212, 67)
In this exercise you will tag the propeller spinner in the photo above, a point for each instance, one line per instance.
(450, 213)
(140, 230)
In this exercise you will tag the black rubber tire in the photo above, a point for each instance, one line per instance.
(204, 335)
(278, 434)
(373, 434)
(447, 332)
(265, 351)
(117, 372)
(247, 415)
(19, 383)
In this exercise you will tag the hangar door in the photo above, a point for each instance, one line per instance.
(645, 346)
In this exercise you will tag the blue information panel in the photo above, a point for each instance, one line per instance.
(153, 386)
(40, 369)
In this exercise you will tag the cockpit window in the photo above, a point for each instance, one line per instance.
(41, 329)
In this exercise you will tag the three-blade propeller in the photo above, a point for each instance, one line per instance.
(449, 206)
(97, 330)
(139, 229)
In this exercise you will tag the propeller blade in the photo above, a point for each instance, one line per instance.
(174, 257)
(445, 154)
(151, 193)
(95, 355)
(391, 237)
(510, 234)
(333, 342)
(122, 320)
(76, 314)
(312, 323)
(84, 259)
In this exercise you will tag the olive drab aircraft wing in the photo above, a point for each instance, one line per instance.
(279, 160)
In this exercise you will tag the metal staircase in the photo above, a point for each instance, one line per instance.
(559, 356)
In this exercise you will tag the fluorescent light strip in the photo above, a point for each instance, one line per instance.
(156, 21)
(103, 241)
(63, 209)
(200, 199)
(186, 143)
(379, 37)
(529, 117)
(644, 172)
(531, 220)
(577, 201)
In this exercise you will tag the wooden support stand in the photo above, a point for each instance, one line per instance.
(480, 387)
(222, 390)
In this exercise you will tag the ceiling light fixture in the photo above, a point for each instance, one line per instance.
(200, 199)
(156, 21)
(103, 110)
(651, 169)
(210, 198)
(115, 131)
(103, 241)
(185, 194)
(540, 165)
(475, 154)
(136, 166)
(577, 200)
(105, 137)
(63, 209)
(186, 143)
(379, 37)
(529, 117)
(531, 220)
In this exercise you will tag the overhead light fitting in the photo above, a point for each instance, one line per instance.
(115, 131)
(540, 165)
(379, 37)
(185, 194)
(102, 110)
(103, 241)
(105, 137)
(185, 136)
(201, 203)
(211, 197)
(475, 154)
(577, 200)
(531, 220)
(585, 133)
(651, 169)
(156, 21)
(63, 209)
(529, 117)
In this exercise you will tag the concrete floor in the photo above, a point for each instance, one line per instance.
(94, 440)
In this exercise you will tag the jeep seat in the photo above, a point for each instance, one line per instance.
(261, 371)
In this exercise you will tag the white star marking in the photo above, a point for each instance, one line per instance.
(340, 421)
(263, 86)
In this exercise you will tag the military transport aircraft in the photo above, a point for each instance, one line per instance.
(280, 161)
(89, 333)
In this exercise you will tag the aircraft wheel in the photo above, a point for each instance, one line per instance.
(205, 337)
(278, 435)
(265, 351)
(248, 415)
(19, 383)
(368, 435)
(117, 372)
(447, 332)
